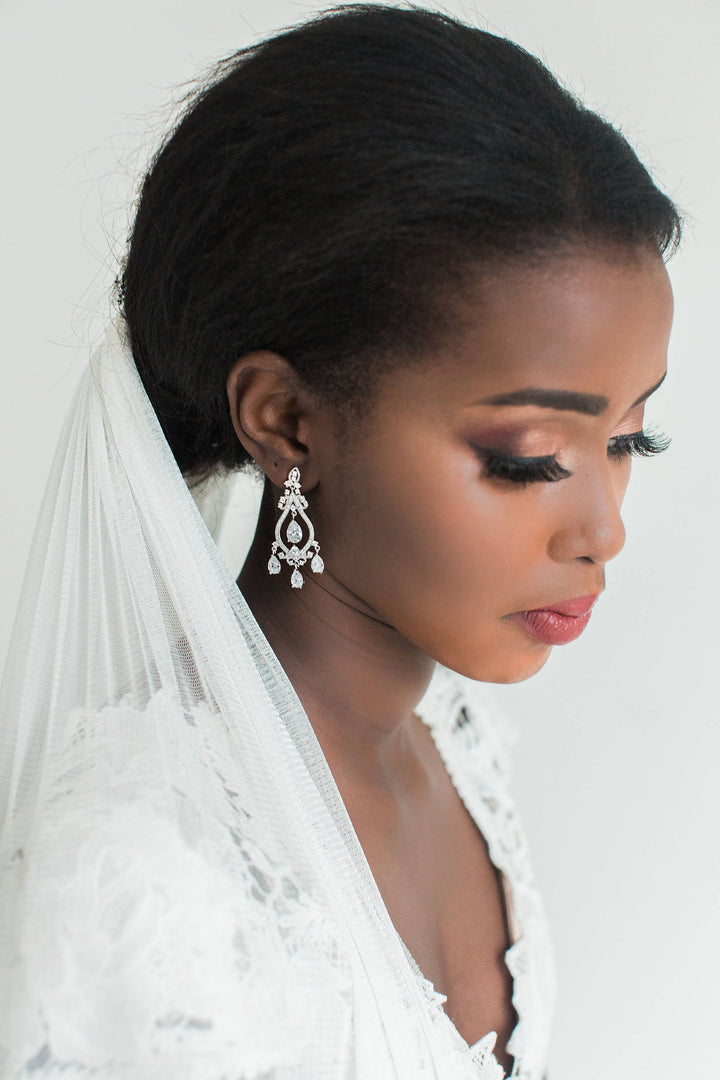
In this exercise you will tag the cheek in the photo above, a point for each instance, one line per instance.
(431, 547)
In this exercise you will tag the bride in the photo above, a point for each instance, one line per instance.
(386, 265)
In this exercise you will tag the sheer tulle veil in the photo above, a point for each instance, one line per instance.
(162, 792)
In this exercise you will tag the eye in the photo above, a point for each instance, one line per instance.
(521, 470)
(638, 444)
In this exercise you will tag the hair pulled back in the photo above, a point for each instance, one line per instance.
(319, 192)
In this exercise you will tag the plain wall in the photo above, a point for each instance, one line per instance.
(617, 761)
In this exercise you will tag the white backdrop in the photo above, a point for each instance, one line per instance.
(617, 764)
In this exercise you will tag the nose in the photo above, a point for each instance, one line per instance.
(589, 525)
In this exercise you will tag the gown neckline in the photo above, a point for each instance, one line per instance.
(484, 1045)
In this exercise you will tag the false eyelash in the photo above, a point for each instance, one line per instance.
(530, 470)
(638, 443)
(522, 470)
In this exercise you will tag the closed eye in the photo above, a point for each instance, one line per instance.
(547, 469)
(521, 470)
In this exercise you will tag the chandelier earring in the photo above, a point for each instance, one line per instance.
(291, 547)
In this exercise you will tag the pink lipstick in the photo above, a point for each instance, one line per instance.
(559, 623)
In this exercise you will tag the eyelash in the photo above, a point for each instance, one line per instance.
(532, 469)
(638, 444)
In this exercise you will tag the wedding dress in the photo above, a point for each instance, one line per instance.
(182, 892)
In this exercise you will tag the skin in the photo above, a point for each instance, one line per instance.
(426, 558)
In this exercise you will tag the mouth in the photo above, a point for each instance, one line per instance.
(558, 623)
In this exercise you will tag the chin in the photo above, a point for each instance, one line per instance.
(509, 666)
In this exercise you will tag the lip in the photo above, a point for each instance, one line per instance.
(580, 605)
(560, 623)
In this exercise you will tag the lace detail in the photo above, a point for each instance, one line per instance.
(484, 1059)
(169, 938)
(460, 715)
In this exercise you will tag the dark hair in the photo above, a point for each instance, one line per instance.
(323, 188)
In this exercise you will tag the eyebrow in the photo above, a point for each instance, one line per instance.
(566, 400)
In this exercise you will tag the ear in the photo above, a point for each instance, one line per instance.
(272, 412)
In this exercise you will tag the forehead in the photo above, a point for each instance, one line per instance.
(592, 323)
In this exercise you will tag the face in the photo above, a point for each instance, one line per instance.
(463, 501)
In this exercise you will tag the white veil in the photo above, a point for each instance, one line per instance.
(182, 892)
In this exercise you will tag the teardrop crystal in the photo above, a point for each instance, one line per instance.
(317, 565)
(274, 565)
(297, 579)
(294, 532)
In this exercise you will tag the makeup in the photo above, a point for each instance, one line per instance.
(559, 624)
(546, 467)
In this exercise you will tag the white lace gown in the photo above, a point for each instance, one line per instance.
(141, 967)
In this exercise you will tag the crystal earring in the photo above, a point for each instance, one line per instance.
(294, 503)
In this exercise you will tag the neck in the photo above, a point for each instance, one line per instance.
(357, 678)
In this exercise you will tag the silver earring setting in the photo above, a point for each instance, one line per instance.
(293, 504)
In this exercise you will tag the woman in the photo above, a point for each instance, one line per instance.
(262, 829)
